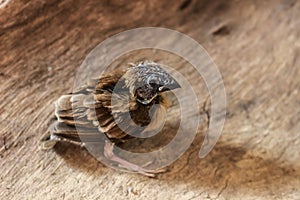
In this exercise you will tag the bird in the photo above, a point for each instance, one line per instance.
(120, 105)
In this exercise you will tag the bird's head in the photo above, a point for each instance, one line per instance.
(147, 80)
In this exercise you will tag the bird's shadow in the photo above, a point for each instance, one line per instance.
(225, 165)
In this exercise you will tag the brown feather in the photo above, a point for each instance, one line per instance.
(90, 114)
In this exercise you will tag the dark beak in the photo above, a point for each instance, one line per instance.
(172, 86)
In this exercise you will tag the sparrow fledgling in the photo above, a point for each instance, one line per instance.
(119, 104)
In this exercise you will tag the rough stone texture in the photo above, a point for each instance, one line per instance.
(256, 47)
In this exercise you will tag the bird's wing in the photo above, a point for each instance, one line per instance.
(87, 112)
(96, 109)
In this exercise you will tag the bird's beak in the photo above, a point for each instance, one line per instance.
(172, 86)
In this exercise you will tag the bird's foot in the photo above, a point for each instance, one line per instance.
(109, 154)
(49, 141)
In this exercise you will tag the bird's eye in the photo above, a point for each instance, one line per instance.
(157, 87)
